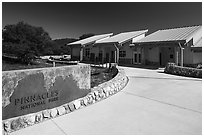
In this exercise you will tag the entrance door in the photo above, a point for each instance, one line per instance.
(166, 55)
(137, 56)
(92, 57)
(107, 57)
(100, 56)
(112, 56)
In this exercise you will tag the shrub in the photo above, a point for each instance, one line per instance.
(199, 66)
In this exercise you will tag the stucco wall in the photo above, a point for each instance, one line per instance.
(106, 48)
(76, 51)
(153, 54)
(188, 56)
(30, 91)
(94, 50)
(129, 51)
(197, 57)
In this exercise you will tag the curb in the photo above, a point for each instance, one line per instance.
(97, 94)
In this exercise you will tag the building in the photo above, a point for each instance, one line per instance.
(79, 50)
(118, 48)
(182, 46)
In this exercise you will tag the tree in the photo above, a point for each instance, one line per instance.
(86, 36)
(62, 45)
(25, 41)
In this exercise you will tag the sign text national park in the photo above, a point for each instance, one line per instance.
(36, 100)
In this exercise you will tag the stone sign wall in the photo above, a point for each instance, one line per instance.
(30, 91)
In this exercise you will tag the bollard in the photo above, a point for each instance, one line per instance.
(53, 64)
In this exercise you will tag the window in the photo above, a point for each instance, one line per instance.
(139, 61)
(122, 53)
(171, 56)
(87, 52)
(100, 55)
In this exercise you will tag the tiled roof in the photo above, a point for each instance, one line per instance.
(198, 43)
(176, 34)
(90, 39)
(122, 37)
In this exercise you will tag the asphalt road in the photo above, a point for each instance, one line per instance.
(152, 103)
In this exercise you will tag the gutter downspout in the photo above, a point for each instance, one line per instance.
(181, 53)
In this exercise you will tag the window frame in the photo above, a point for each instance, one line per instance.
(87, 52)
(122, 53)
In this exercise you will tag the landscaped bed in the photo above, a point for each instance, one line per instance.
(98, 74)
(7, 65)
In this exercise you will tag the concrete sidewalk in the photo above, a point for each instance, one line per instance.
(151, 103)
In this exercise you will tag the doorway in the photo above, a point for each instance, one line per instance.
(137, 56)
(166, 55)
(107, 57)
(112, 56)
(100, 56)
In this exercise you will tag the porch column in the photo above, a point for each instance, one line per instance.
(117, 49)
(81, 54)
(116, 54)
(181, 54)
(142, 55)
(181, 57)
(103, 56)
(109, 60)
(177, 56)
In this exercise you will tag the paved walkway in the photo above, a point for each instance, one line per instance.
(151, 103)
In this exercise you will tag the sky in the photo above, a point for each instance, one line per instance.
(71, 20)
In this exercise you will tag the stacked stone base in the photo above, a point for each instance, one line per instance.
(172, 68)
(97, 93)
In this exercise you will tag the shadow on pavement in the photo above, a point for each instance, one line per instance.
(139, 66)
(178, 75)
(193, 79)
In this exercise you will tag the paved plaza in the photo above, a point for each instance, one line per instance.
(152, 103)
